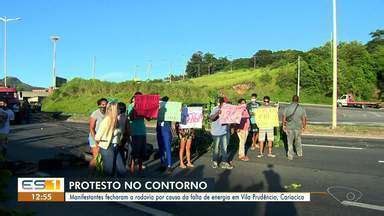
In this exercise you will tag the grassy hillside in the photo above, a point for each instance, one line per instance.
(80, 96)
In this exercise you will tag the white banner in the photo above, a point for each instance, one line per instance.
(186, 197)
(195, 118)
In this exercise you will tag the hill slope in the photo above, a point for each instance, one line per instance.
(80, 96)
(18, 84)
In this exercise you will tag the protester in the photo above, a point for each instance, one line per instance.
(294, 122)
(266, 134)
(254, 129)
(25, 111)
(6, 115)
(220, 139)
(124, 127)
(108, 138)
(164, 137)
(186, 136)
(138, 135)
(94, 123)
(242, 131)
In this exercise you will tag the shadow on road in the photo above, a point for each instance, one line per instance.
(274, 185)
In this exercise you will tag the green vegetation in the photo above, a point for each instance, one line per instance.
(361, 71)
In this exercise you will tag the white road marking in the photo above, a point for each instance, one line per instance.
(380, 161)
(336, 147)
(362, 205)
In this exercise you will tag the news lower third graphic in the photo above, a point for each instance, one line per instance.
(40, 190)
(149, 190)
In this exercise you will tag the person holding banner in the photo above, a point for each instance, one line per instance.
(266, 132)
(294, 122)
(254, 129)
(164, 136)
(242, 131)
(219, 134)
(138, 135)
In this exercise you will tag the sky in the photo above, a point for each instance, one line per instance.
(129, 35)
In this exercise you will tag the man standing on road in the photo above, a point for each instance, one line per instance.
(266, 134)
(254, 129)
(219, 135)
(6, 115)
(294, 122)
(94, 121)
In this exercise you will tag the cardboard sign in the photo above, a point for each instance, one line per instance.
(267, 117)
(231, 114)
(147, 106)
(172, 111)
(194, 119)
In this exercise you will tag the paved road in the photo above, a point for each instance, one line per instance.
(328, 162)
(321, 115)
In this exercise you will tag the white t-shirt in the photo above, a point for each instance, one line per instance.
(7, 127)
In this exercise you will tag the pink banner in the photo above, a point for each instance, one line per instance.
(147, 106)
(231, 114)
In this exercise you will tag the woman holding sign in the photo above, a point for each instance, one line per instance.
(242, 130)
(186, 135)
(139, 135)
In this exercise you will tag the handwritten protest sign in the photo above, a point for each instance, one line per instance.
(172, 111)
(194, 119)
(147, 106)
(267, 117)
(231, 114)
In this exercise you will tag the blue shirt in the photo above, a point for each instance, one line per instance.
(217, 129)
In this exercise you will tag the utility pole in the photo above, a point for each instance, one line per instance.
(298, 76)
(149, 68)
(5, 20)
(170, 72)
(135, 72)
(254, 62)
(94, 67)
(334, 42)
(54, 40)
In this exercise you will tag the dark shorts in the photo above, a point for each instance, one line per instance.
(254, 128)
(139, 143)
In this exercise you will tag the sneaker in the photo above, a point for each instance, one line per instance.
(225, 165)
(229, 166)
(300, 155)
(290, 158)
(260, 155)
(271, 155)
(214, 165)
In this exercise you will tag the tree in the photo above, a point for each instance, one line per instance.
(264, 58)
(356, 71)
(193, 68)
(377, 39)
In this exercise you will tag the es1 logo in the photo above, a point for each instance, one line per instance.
(40, 185)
